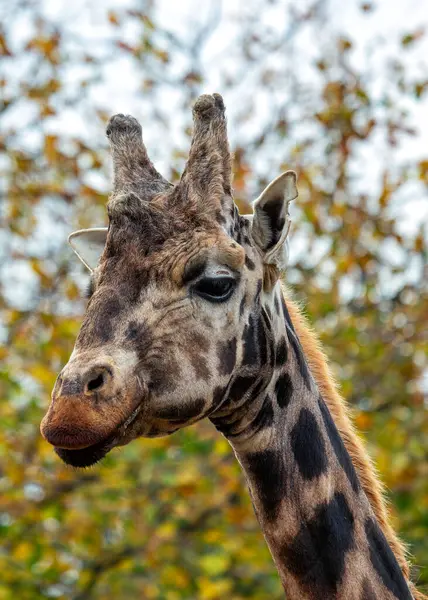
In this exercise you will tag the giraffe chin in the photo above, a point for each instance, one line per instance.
(86, 457)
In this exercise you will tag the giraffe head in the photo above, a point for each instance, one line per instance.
(177, 281)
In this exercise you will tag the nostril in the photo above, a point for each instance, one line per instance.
(79, 379)
(95, 383)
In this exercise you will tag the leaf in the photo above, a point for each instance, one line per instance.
(411, 38)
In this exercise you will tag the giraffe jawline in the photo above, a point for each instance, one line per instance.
(86, 457)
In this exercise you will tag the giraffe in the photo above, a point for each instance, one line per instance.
(187, 318)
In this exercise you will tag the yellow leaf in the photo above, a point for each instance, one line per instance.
(210, 590)
(23, 551)
(51, 148)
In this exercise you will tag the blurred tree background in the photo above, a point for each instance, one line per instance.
(339, 101)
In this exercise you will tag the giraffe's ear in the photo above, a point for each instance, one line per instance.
(271, 220)
(89, 244)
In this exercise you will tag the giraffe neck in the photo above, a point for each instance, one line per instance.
(315, 516)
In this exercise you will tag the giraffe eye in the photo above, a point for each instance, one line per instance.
(215, 289)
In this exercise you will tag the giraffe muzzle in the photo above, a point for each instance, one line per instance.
(90, 411)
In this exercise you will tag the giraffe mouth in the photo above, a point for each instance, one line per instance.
(86, 457)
